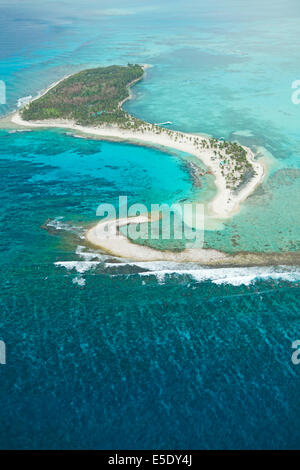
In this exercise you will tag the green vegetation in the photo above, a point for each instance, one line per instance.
(94, 97)
(233, 161)
(91, 97)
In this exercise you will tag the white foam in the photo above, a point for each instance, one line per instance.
(79, 266)
(90, 260)
(233, 276)
(79, 280)
(163, 270)
(23, 101)
(89, 255)
(58, 224)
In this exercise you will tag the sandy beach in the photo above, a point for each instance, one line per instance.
(107, 236)
(224, 205)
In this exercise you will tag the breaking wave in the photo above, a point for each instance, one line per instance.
(233, 276)
(166, 271)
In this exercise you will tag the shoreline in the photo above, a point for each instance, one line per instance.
(223, 206)
(129, 97)
(107, 236)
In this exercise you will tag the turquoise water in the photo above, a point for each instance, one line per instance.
(107, 353)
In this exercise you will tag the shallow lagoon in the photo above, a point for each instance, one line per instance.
(96, 351)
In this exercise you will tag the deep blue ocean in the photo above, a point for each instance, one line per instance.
(107, 353)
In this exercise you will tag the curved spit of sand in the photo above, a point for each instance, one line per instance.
(224, 204)
(107, 236)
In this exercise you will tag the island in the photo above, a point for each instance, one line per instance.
(93, 97)
(91, 102)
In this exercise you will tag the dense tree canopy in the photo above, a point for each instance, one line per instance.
(89, 97)
(94, 97)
